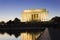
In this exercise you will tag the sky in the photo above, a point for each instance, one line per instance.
(10, 9)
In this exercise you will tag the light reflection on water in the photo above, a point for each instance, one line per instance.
(8, 37)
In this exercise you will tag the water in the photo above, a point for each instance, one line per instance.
(8, 37)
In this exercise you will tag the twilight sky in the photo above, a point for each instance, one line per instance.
(10, 9)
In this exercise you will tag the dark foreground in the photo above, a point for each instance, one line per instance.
(16, 27)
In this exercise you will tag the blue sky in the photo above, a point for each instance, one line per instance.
(10, 9)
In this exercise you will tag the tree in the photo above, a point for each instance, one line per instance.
(16, 20)
(55, 19)
(2, 23)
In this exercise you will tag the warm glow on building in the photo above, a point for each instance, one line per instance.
(34, 15)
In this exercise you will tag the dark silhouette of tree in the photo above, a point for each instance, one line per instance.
(2, 23)
(9, 22)
(55, 19)
(16, 20)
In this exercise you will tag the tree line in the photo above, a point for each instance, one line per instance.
(16, 26)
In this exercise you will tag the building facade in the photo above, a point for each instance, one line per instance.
(34, 15)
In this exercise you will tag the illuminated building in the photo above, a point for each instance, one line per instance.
(34, 15)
